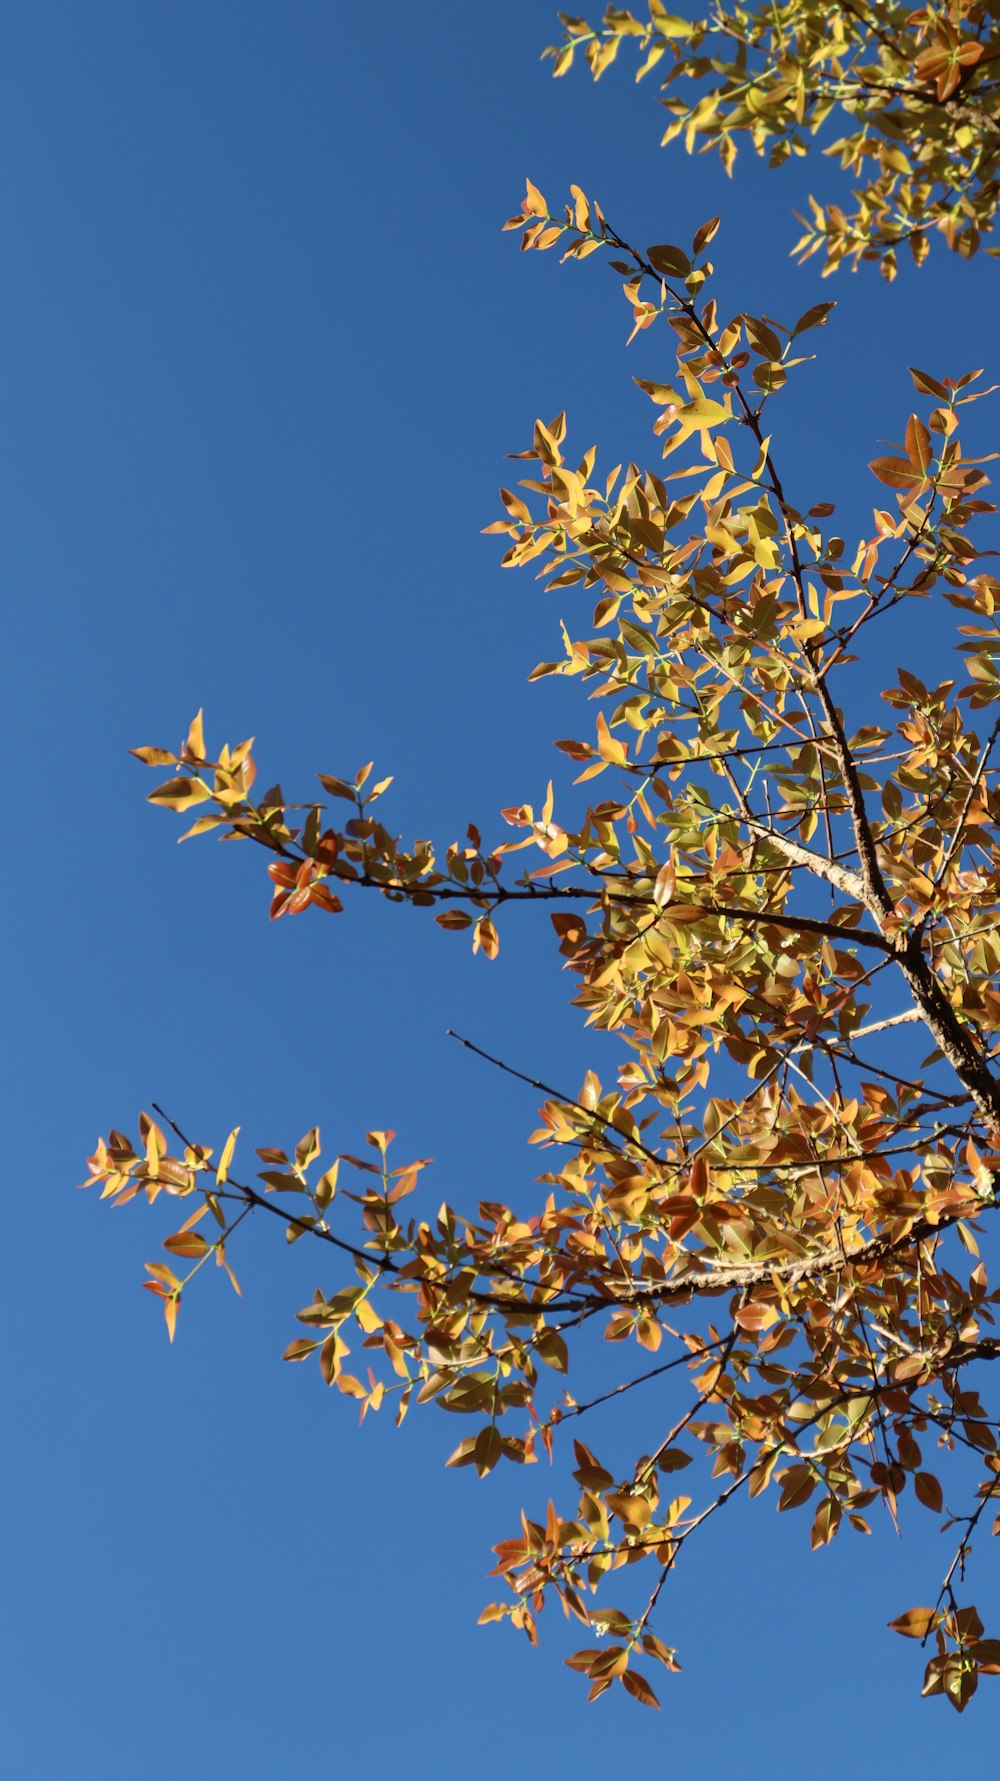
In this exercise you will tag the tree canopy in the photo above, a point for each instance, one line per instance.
(915, 92)
(770, 1209)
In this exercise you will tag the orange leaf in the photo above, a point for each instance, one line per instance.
(639, 1688)
(896, 473)
(698, 1179)
(916, 1623)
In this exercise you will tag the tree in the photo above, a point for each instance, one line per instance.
(771, 1204)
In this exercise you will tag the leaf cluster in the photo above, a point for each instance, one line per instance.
(914, 91)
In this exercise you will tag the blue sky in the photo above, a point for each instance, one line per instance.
(264, 351)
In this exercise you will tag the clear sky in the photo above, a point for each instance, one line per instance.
(263, 351)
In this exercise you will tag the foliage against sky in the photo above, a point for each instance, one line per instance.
(761, 1202)
(908, 103)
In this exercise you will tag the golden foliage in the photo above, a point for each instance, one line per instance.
(771, 1210)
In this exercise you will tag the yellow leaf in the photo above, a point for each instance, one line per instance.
(663, 889)
(608, 746)
(194, 747)
(189, 1243)
(222, 1172)
(154, 1151)
(177, 794)
(486, 937)
(154, 757)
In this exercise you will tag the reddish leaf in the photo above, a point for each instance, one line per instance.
(639, 1688)
(928, 1491)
